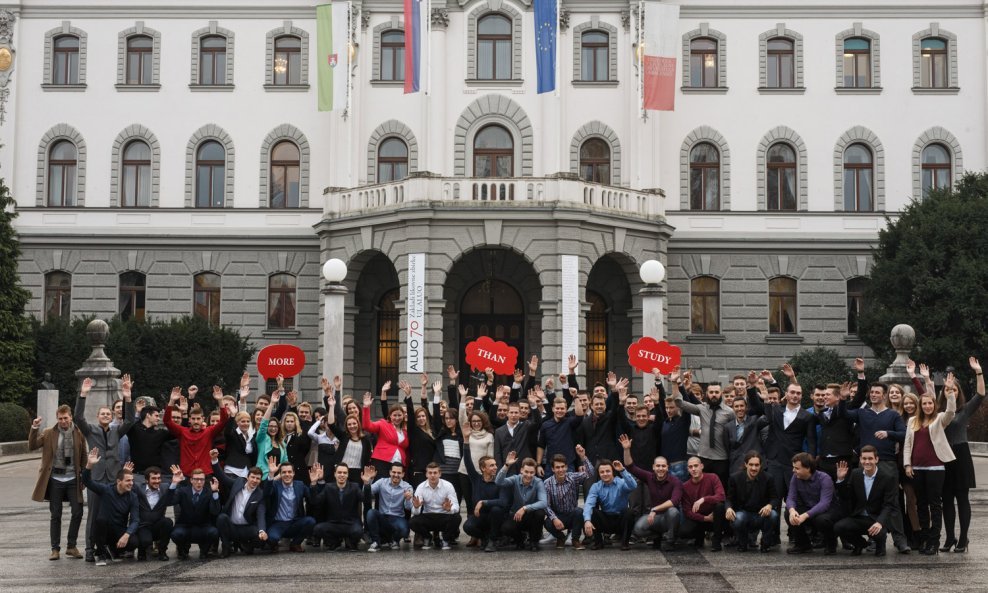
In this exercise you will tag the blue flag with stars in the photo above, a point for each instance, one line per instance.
(546, 26)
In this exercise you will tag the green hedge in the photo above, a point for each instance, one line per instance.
(15, 422)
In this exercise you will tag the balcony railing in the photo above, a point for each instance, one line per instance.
(462, 190)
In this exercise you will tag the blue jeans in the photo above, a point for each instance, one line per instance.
(297, 529)
(746, 521)
(678, 469)
(666, 522)
(388, 527)
(572, 521)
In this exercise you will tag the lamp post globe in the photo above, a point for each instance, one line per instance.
(334, 271)
(652, 272)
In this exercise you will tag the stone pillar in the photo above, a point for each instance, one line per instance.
(435, 148)
(333, 329)
(99, 368)
(903, 339)
(47, 405)
(653, 299)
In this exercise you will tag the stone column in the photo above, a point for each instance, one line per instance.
(434, 149)
(100, 369)
(653, 299)
(903, 339)
(333, 329)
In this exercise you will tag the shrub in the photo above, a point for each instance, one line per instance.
(15, 422)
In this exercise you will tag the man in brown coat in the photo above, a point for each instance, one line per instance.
(63, 455)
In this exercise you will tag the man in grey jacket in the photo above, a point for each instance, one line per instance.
(715, 419)
(528, 502)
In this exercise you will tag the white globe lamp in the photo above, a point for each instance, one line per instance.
(334, 271)
(652, 272)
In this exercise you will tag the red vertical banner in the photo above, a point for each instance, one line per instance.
(659, 45)
(660, 82)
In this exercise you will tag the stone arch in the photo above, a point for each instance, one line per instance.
(780, 30)
(859, 134)
(788, 136)
(936, 135)
(612, 276)
(392, 128)
(65, 29)
(123, 36)
(704, 30)
(370, 275)
(208, 132)
(285, 132)
(212, 29)
(705, 134)
(596, 129)
(134, 132)
(287, 28)
(595, 24)
(856, 30)
(56, 133)
(493, 108)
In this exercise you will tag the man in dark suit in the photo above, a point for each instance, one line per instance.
(837, 434)
(788, 426)
(871, 497)
(598, 430)
(752, 503)
(197, 510)
(154, 526)
(286, 500)
(516, 435)
(743, 435)
(340, 503)
(243, 517)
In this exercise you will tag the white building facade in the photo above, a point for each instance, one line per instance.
(169, 160)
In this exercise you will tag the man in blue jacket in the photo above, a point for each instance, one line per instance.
(287, 499)
(606, 508)
(527, 502)
(118, 513)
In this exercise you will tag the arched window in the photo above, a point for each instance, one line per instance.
(62, 170)
(206, 297)
(388, 319)
(393, 55)
(65, 60)
(936, 167)
(287, 64)
(596, 339)
(857, 62)
(781, 177)
(131, 299)
(934, 73)
(705, 305)
(493, 152)
(281, 301)
(781, 70)
(58, 295)
(392, 160)
(704, 177)
(594, 56)
(595, 161)
(285, 175)
(212, 60)
(855, 302)
(135, 175)
(140, 50)
(858, 179)
(210, 175)
(703, 62)
(494, 47)
(782, 305)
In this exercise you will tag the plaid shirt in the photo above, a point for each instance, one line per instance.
(563, 498)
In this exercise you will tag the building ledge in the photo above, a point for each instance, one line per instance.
(771, 90)
(200, 88)
(872, 90)
(394, 83)
(706, 338)
(136, 88)
(286, 88)
(783, 339)
(514, 82)
(64, 88)
(702, 90)
(922, 90)
(595, 83)
(280, 333)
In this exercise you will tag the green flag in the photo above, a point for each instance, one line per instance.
(332, 34)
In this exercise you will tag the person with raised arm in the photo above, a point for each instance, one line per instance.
(598, 431)
(959, 477)
(155, 528)
(118, 514)
(715, 419)
(196, 510)
(870, 497)
(526, 502)
(195, 440)
(63, 455)
(435, 511)
(147, 437)
(287, 501)
(269, 437)
(516, 434)
(658, 516)
(811, 502)
(483, 523)
(606, 507)
(392, 434)
(386, 522)
(562, 490)
(242, 521)
(924, 456)
(341, 501)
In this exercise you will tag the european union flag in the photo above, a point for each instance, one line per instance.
(546, 26)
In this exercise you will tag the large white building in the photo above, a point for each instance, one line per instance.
(169, 159)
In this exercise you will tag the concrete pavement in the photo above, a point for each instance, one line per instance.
(25, 568)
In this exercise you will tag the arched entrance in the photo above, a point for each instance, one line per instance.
(491, 292)
(376, 322)
(608, 324)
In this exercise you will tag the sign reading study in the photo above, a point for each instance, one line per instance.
(647, 354)
(280, 359)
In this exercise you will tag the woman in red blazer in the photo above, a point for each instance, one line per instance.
(392, 436)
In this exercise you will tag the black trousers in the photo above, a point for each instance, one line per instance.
(694, 530)
(426, 524)
(231, 533)
(158, 532)
(186, 535)
(107, 534)
(718, 467)
(58, 493)
(487, 525)
(621, 523)
(928, 485)
(822, 523)
(851, 530)
(333, 532)
(531, 524)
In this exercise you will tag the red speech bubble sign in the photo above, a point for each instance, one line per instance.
(485, 352)
(647, 354)
(280, 359)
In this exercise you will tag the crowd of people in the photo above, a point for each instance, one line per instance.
(509, 464)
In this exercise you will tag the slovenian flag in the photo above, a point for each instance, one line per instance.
(546, 26)
(416, 44)
(659, 45)
(333, 41)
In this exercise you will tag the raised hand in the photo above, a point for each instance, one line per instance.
(193, 390)
(618, 466)
(447, 505)
(367, 476)
(315, 473)
(214, 455)
(859, 365)
(622, 384)
(511, 458)
(975, 365)
(924, 371)
(214, 484)
(911, 368)
(36, 424)
(93, 457)
(461, 389)
(281, 382)
(217, 392)
(416, 502)
(126, 386)
(673, 376)
(437, 387)
(406, 388)
(369, 399)
(451, 373)
(87, 386)
(245, 380)
(326, 387)
(752, 377)
(518, 376)
(533, 365)
(949, 380)
(292, 397)
(275, 396)
(766, 375)
(424, 379)
(386, 387)
(572, 363)
(129, 466)
(581, 452)
(611, 379)
(841, 470)
(550, 385)
(482, 390)
(787, 371)
(177, 475)
(337, 383)
(625, 441)
(489, 372)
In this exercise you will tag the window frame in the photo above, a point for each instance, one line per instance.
(390, 162)
(869, 83)
(213, 52)
(59, 295)
(289, 52)
(493, 39)
(595, 163)
(715, 52)
(934, 168)
(701, 169)
(595, 48)
(857, 168)
(932, 54)
(777, 326)
(138, 165)
(494, 153)
(213, 298)
(388, 336)
(397, 55)
(777, 171)
(145, 72)
(710, 301)
(778, 54)
(212, 165)
(286, 166)
(597, 321)
(293, 292)
(63, 164)
(68, 54)
(855, 302)
(137, 296)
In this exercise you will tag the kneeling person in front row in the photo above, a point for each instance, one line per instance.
(811, 501)
(871, 497)
(198, 508)
(660, 505)
(435, 509)
(703, 506)
(527, 502)
(154, 526)
(752, 503)
(118, 513)
(340, 502)
(244, 517)
(606, 507)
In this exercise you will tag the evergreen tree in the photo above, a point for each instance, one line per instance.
(16, 349)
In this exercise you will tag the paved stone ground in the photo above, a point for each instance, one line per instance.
(24, 565)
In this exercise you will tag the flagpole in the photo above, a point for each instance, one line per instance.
(349, 56)
(641, 60)
(428, 40)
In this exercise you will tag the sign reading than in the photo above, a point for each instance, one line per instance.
(485, 352)
(647, 354)
(280, 359)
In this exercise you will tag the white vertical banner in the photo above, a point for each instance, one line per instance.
(415, 312)
(570, 271)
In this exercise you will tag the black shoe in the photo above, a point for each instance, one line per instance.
(742, 548)
(183, 554)
(142, 554)
(225, 552)
(162, 556)
(961, 546)
(90, 556)
(932, 548)
(491, 546)
(715, 546)
(879, 552)
(799, 550)
(947, 545)
(764, 549)
(903, 548)
(597, 545)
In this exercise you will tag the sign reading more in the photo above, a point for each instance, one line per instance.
(647, 354)
(280, 359)
(485, 352)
